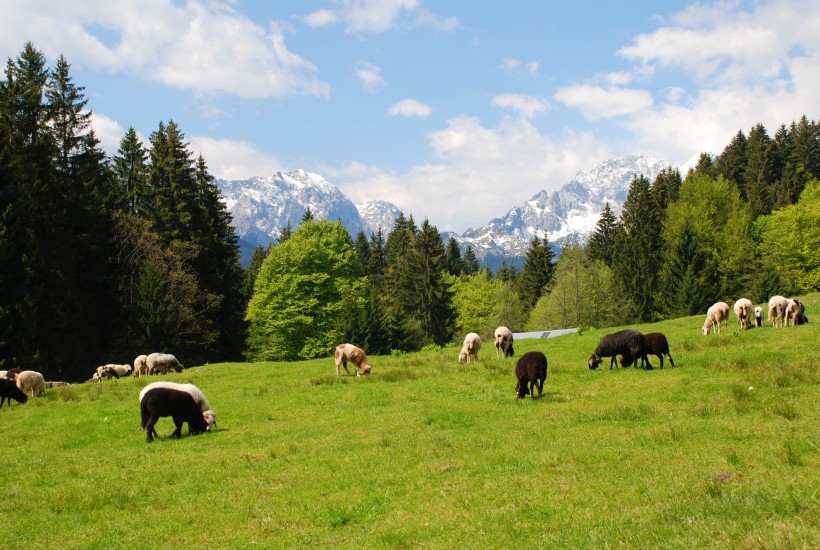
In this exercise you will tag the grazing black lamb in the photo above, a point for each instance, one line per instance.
(627, 342)
(531, 371)
(9, 391)
(179, 405)
(656, 344)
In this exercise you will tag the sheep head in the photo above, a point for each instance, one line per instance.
(594, 361)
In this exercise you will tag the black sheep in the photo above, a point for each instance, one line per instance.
(627, 342)
(531, 371)
(179, 405)
(656, 344)
(9, 391)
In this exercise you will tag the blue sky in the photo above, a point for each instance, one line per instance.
(453, 110)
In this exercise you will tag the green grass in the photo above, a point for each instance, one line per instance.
(721, 451)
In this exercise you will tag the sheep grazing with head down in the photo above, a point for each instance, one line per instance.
(140, 365)
(31, 382)
(193, 391)
(349, 353)
(777, 310)
(111, 370)
(795, 313)
(472, 343)
(503, 342)
(163, 363)
(531, 371)
(743, 312)
(629, 343)
(715, 316)
(656, 344)
(758, 317)
(9, 391)
(179, 405)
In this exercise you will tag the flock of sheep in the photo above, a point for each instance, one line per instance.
(186, 403)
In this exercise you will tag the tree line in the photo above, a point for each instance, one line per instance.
(102, 259)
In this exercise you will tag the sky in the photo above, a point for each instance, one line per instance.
(455, 111)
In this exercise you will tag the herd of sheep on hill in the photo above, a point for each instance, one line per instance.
(185, 403)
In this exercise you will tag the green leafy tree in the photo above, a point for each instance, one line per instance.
(475, 304)
(300, 292)
(790, 239)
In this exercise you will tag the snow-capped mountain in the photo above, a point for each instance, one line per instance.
(567, 214)
(262, 206)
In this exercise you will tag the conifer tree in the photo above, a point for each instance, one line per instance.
(433, 299)
(665, 188)
(286, 233)
(258, 256)
(470, 261)
(537, 272)
(759, 175)
(731, 163)
(362, 246)
(130, 169)
(453, 262)
(307, 216)
(601, 244)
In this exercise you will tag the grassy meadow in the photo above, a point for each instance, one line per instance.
(722, 450)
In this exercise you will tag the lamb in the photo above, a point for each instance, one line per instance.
(9, 391)
(795, 312)
(777, 310)
(656, 344)
(163, 363)
(627, 342)
(349, 352)
(503, 342)
(140, 366)
(31, 382)
(179, 405)
(531, 371)
(743, 311)
(193, 391)
(111, 370)
(472, 343)
(715, 315)
(758, 317)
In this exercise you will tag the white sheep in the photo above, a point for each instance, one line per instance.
(140, 365)
(777, 310)
(472, 343)
(196, 393)
(743, 312)
(715, 315)
(503, 342)
(758, 317)
(31, 383)
(113, 371)
(162, 363)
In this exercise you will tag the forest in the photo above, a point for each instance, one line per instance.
(103, 259)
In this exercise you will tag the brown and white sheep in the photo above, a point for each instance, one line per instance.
(472, 343)
(531, 371)
(795, 313)
(353, 354)
(503, 342)
(31, 383)
(743, 312)
(715, 315)
(777, 310)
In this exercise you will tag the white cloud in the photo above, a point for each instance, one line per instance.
(233, 160)
(371, 76)
(205, 47)
(518, 68)
(598, 103)
(480, 173)
(379, 16)
(526, 105)
(410, 108)
(108, 131)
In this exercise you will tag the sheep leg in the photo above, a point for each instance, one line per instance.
(149, 429)
(344, 364)
(178, 422)
(670, 361)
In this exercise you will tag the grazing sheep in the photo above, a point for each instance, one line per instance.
(758, 317)
(12, 373)
(743, 312)
(472, 343)
(531, 371)
(111, 370)
(777, 310)
(140, 366)
(199, 398)
(163, 363)
(503, 342)
(31, 382)
(716, 315)
(656, 344)
(9, 391)
(795, 313)
(629, 343)
(179, 405)
(349, 352)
